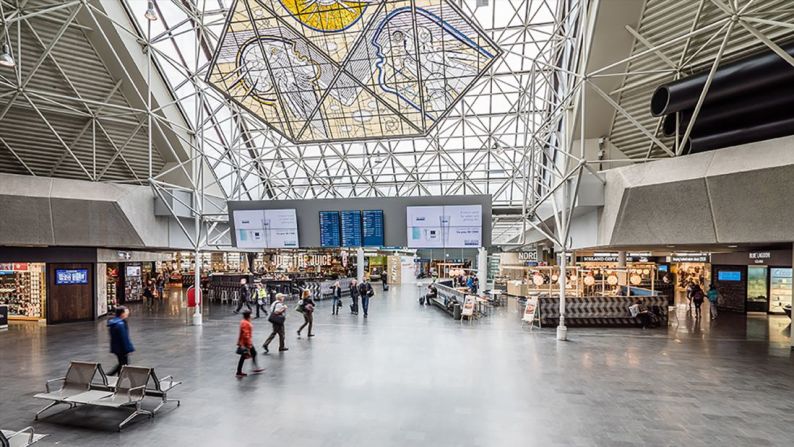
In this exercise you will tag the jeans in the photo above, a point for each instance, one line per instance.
(365, 304)
(354, 305)
(335, 308)
(308, 319)
(242, 360)
(713, 309)
(123, 360)
(278, 329)
(698, 303)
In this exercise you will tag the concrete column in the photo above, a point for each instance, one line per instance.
(482, 267)
(360, 264)
(621, 259)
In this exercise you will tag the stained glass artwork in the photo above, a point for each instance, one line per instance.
(340, 70)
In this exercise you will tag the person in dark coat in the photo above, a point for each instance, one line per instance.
(354, 294)
(120, 343)
(366, 292)
(245, 296)
(336, 293)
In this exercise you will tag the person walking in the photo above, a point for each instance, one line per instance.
(160, 286)
(148, 295)
(697, 298)
(366, 292)
(120, 343)
(278, 316)
(245, 345)
(354, 294)
(306, 307)
(336, 293)
(245, 296)
(385, 280)
(261, 299)
(713, 295)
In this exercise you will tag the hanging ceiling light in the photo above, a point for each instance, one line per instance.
(6, 59)
(150, 14)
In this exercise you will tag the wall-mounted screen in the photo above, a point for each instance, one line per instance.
(133, 270)
(71, 276)
(266, 228)
(329, 229)
(351, 228)
(455, 226)
(662, 267)
(729, 275)
(372, 224)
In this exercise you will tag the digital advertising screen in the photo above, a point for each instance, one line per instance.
(266, 228)
(71, 276)
(372, 227)
(133, 270)
(729, 275)
(351, 228)
(329, 229)
(455, 226)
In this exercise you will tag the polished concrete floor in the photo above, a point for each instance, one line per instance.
(410, 375)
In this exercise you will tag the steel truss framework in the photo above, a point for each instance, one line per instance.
(512, 135)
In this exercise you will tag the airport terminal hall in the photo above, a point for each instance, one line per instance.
(392, 223)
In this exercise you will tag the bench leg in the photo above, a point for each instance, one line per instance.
(134, 414)
(50, 405)
(165, 401)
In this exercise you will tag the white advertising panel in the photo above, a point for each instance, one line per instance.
(266, 228)
(458, 226)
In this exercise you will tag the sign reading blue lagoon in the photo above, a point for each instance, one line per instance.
(329, 229)
(351, 228)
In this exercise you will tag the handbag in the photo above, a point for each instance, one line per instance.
(245, 352)
(276, 318)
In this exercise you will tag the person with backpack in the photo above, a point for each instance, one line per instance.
(306, 307)
(354, 294)
(336, 293)
(120, 343)
(278, 317)
(245, 345)
(713, 295)
(697, 298)
(245, 296)
(366, 292)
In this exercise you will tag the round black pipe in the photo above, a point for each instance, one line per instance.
(754, 71)
(742, 135)
(755, 107)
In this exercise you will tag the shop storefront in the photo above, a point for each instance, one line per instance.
(754, 281)
(23, 288)
(122, 275)
(687, 269)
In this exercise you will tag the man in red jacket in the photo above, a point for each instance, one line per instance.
(245, 345)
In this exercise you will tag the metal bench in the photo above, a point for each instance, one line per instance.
(78, 379)
(129, 391)
(21, 438)
(155, 387)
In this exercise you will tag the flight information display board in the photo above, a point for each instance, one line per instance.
(266, 228)
(329, 229)
(457, 226)
(373, 228)
(351, 228)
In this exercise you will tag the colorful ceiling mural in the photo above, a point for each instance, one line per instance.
(340, 70)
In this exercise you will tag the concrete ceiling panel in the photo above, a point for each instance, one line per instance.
(753, 206)
(25, 219)
(673, 213)
(92, 223)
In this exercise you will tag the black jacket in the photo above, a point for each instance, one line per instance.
(364, 289)
(245, 293)
(354, 291)
(337, 292)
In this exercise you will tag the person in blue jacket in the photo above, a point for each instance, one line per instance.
(120, 343)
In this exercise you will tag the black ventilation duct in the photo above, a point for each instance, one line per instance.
(751, 99)
(755, 71)
(758, 106)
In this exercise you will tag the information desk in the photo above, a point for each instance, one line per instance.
(599, 310)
